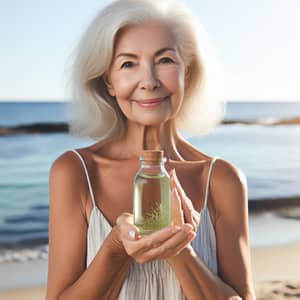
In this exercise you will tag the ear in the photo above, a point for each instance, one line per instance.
(108, 84)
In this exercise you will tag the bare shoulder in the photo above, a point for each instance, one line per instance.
(66, 176)
(226, 172)
(67, 164)
(228, 186)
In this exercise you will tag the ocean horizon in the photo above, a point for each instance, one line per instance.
(267, 155)
(14, 113)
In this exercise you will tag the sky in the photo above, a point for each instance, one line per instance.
(258, 43)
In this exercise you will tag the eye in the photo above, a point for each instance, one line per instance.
(127, 65)
(166, 60)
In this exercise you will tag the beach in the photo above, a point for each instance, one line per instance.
(276, 273)
(23, 280)
(33, 135)
(275, 267)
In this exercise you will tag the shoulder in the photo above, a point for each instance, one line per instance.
(67, 175)
(228, 186)
(67, 184)
(67, 163)
(226, 172)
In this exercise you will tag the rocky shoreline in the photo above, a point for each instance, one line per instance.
(266, 122)
(283, 204)
(36, 128)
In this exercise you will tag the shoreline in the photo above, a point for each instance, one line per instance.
(275, 270)
(275, 267)
(26, 274)
(271, 222)
(273, 204)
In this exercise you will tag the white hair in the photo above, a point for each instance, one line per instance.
(94, 113)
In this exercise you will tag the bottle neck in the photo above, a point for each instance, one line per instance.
(153, 167)
(153, 164)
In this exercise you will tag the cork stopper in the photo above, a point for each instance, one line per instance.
(152, 155)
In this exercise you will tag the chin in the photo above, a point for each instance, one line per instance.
(153, 122)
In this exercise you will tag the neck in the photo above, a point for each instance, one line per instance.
(162, 137)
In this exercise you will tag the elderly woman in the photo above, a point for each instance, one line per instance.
(143, 70)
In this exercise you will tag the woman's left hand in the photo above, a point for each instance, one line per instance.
(182, 207)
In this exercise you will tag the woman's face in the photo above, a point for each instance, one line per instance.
(147, 74)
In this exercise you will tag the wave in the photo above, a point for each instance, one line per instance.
(18, 243)
(23, 254)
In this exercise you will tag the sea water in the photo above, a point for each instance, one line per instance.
(267, 155)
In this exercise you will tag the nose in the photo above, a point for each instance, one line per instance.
(148, 78)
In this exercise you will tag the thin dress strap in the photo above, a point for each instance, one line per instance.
(87, 176)
(208, 179)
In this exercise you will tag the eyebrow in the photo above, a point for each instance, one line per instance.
(157, 53)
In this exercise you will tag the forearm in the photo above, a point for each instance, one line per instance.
(196, 279)
(98, 280)
(115, 288)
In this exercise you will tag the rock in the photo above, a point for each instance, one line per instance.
(35, 128)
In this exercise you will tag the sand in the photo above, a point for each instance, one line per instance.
(276, 274)
(35, 293)
(276, 268)
(276, 263)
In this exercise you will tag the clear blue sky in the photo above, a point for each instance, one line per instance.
(258, 42)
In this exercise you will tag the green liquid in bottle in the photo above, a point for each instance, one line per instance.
(152, 199)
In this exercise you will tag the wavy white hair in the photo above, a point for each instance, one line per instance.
(94, 113)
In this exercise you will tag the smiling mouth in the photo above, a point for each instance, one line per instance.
(151, 102)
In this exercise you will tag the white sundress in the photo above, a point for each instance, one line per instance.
(154, 280)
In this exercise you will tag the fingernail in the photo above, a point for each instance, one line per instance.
(132, 234)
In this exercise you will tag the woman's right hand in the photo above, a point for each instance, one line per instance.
(162, 244)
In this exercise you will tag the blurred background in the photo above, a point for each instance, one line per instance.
(258, 44)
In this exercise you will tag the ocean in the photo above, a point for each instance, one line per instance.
(267, 155)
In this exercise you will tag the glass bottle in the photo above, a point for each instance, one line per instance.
(152, 193)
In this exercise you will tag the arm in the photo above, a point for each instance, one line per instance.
(229, 192)
(68, 277)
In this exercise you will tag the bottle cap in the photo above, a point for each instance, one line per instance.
(152, 155)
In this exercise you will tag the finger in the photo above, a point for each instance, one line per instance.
(190, 237)
(158, 237)
(173, 245)
(186, 202)
(195, 220)
(124, 218)
(150, 241)
(176, 184)
(176, 211)
(129, 232)
(187, 205)
(180, 246)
